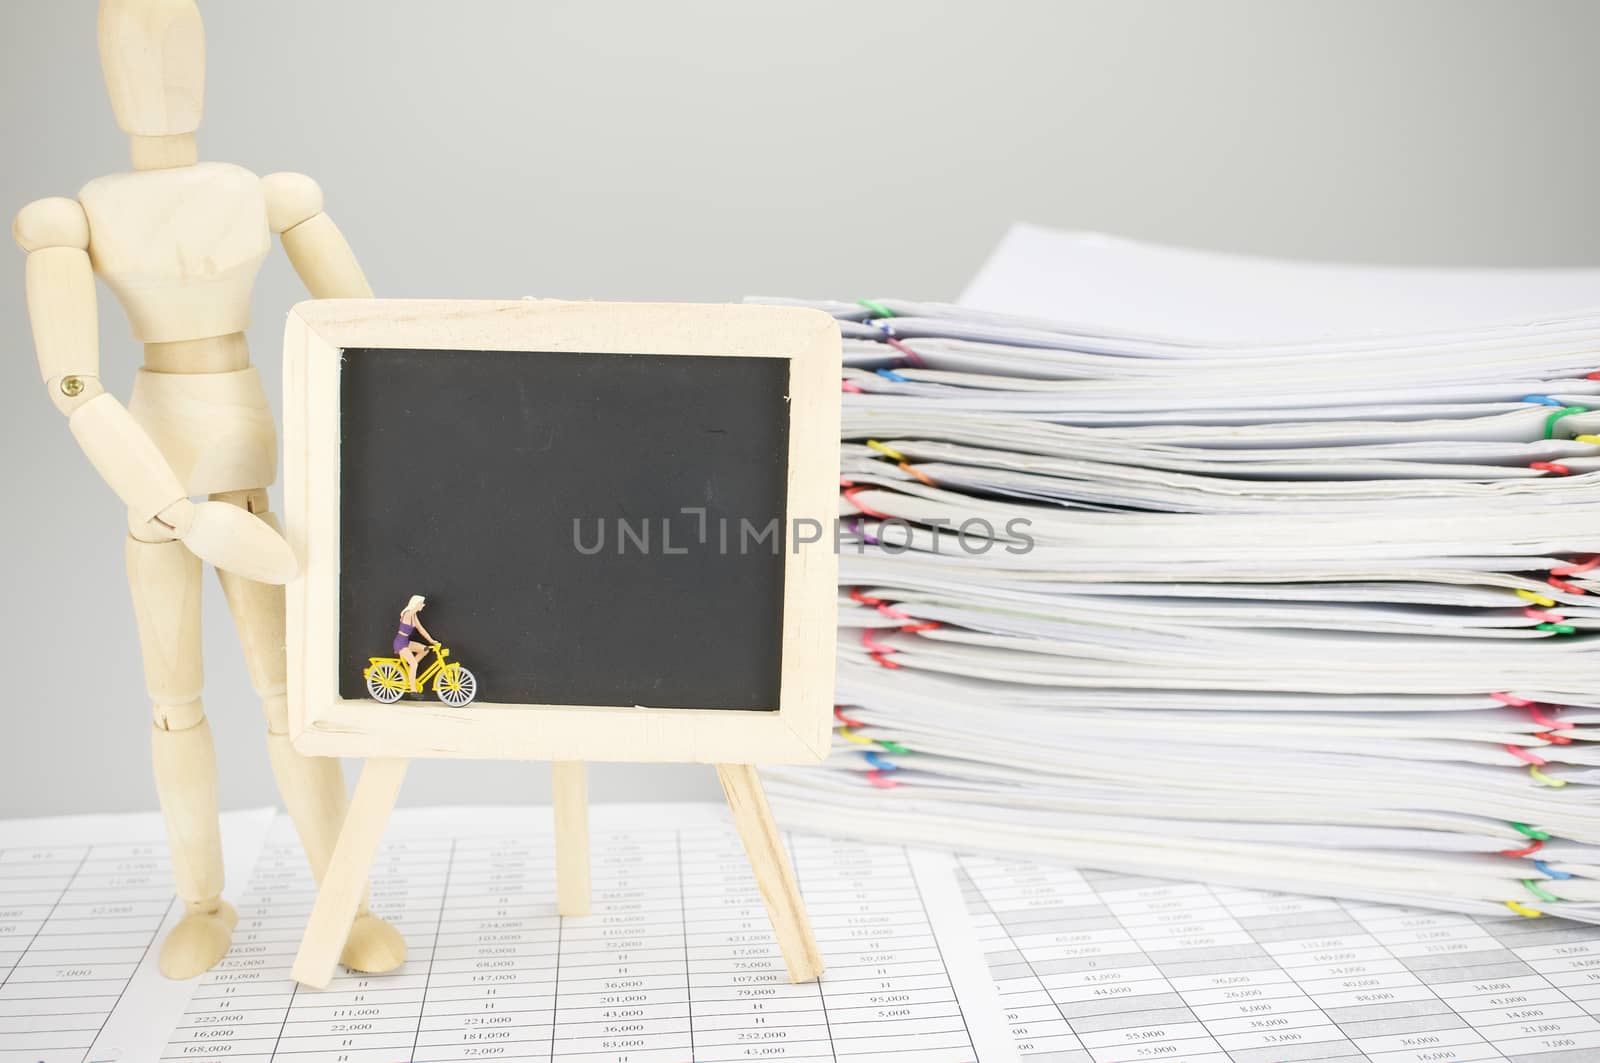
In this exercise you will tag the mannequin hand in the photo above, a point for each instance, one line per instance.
(232, 539)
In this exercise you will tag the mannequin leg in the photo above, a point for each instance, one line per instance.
(165, 580)
(312, 788)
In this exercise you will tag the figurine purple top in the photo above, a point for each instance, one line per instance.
(411, 651)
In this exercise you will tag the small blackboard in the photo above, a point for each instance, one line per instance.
(589, 529)
(623, 517)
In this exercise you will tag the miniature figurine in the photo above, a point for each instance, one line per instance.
(179, 242)
(410, 650)
(389, 678)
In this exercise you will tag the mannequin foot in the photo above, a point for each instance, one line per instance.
(373, 946)
(198, 942)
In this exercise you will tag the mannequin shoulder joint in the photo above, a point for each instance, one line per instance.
(53, 222)
(291, 199)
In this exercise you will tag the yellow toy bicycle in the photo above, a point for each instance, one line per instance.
(387, 679)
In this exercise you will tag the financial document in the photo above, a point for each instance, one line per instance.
(84, 904)
(1102, 968)
(675, 963)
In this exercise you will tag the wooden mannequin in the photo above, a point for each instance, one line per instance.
(179, 242)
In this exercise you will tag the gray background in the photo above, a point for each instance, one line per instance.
(498, 148)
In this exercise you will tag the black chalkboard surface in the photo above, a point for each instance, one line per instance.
(539, 501)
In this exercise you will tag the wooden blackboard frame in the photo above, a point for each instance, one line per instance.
(321, 723)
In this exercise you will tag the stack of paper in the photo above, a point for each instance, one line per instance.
(1305, 607)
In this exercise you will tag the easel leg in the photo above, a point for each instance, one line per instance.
(345, 879)
(570, 793)
(774, 876)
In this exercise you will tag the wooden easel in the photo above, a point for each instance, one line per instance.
(344, 883)
(789, 724)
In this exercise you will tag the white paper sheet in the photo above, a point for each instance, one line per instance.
(84, 904)
(1109, 284)
(676, 962)
(1101, 968)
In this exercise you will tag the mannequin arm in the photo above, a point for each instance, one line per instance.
(315, 246)
(61, 305)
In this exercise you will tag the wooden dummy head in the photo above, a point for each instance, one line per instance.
(153, 54)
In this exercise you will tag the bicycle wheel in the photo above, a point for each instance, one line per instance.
(386, 681)
(456, 686)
